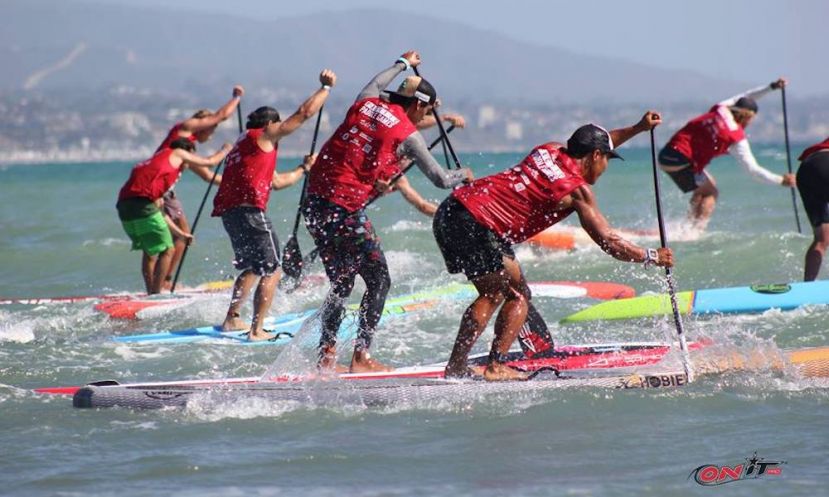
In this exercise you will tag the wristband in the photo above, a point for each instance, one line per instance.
(326, 87)
(651, 257)
(405, 62)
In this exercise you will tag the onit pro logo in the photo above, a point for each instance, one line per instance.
(710, 475)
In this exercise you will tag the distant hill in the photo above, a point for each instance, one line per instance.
(55, 44)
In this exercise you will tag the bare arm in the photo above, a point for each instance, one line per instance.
(308, 108)
(175, 230)
(595, 224)
(284, 180)
(190, 159)
(196, 124)
(621, 135)
(429, 120)
(206, 174)
(413, 197)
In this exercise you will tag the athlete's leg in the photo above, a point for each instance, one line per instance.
(179, 245)
(703, 202)
(147, 270)
(333, 312)
(510, 320)
(162, 265)
(375, 273)
(816, 252)
(241, 288)
(262, 300)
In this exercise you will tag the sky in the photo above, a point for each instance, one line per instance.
(754, 41)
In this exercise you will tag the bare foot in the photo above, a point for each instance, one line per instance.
(327, 364)
(259, 336)
(234, 324)
(501, 372)
(469, 372)
(363, 363)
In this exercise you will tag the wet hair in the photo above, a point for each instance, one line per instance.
(261, 117)
(183, 143)
(202, 113)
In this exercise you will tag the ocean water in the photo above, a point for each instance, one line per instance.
(59, 235)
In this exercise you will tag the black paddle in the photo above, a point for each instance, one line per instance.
(789, 155)
(292, 262)
(201, 206)
(443, 132)
(686, 362)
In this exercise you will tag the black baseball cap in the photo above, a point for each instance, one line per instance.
(415, 87)
(591, 137)
(746, 103)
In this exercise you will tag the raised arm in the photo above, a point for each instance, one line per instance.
(429, 120)
(755, 93)
(309, 108)
(379, 82)
(196, 124)
(415, 148)
(650, 120)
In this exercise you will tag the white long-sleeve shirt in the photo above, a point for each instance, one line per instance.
(741, 150)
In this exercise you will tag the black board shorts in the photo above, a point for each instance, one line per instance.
(467, 246)
(255, 245)
(813, 184)
(684, 178)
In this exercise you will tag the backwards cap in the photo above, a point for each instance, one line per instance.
(417, 88)
(591, 137)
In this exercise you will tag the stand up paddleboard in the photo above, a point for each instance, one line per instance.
(595, 357)
(285, 326)
(416, 386)
(746, 299)
(209, 287)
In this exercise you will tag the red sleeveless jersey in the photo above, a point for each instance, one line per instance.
(363, 149)
(173, 135)
(817, 147)
(521, 201)
(707, 136)
(248, 175)
(152, 178)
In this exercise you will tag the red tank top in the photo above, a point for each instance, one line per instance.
(248, 175)
(152, 178)
(707, 136)
(363, 149)
(824, 145)
(173, 135)
(520, 202)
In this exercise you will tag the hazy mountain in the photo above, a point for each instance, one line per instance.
(53, 44)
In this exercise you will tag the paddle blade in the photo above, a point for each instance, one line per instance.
(292, 259)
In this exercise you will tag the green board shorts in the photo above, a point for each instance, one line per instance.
(149, 234)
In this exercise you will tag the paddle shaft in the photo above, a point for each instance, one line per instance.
(443, 132)
(201, 206)
(680, 331)
(305, 180)
(789, 155)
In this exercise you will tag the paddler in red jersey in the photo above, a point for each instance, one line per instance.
(140, 200)
(353, 166)
(198, 129)
(242, 199)
(477, 225)
(813, 183)
(720, 131)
